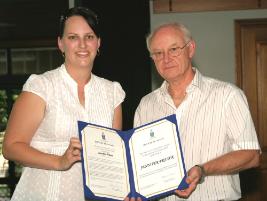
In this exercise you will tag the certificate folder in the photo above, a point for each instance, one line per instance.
(145, 161)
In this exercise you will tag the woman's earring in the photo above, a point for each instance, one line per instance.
(63, 54)
(98, 52)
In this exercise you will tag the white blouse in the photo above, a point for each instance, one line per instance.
(63, 110)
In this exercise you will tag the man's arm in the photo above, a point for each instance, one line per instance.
(233, 162)
(229, 163)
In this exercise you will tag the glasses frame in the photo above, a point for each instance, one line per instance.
(171, 52)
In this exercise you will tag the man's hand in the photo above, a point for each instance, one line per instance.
(193, 178)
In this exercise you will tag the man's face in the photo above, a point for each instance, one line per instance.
(171, 54)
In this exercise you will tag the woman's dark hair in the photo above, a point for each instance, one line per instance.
(89, 16)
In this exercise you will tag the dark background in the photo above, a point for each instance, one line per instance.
(123, 54)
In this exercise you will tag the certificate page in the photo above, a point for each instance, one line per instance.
(156, 158)
(105, 163)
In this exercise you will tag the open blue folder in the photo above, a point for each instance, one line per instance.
(145, 162)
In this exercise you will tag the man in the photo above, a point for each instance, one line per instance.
(216, 129)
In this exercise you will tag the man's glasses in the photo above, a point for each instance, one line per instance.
(172, 52)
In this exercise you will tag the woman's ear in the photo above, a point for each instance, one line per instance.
(60, 44)
(99, 43)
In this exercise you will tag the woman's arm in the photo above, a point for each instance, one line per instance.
(25, 118)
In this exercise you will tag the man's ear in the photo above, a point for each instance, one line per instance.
(192, 48)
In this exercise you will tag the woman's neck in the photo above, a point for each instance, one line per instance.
(80, 75)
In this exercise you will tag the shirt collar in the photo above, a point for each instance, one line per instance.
(70, 80)
(197, 83)
(67, 76)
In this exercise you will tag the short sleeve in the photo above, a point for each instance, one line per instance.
(36, 84)
(119, 94)
(240, 125)
(137, 121)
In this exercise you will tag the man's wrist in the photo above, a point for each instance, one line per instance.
(203, 173)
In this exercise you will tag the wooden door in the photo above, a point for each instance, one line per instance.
(251, 48)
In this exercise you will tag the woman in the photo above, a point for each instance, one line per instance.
(42, 131)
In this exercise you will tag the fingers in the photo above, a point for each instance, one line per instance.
(127, 199)
(76, 152)
(139, 199)
(75, 149)
(75, 143)
(132, 199)
(71, 155)
(185, 193)
(192, 180)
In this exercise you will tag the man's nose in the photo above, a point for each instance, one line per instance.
(166, 57)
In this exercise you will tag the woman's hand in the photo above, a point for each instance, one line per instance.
(71, 155)
(132, 199)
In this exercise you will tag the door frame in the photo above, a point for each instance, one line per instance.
(247, 33)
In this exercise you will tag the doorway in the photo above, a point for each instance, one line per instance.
(251, 76)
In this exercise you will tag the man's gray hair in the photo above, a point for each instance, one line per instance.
(175, 25)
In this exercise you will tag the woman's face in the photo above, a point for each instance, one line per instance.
(79, 43)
